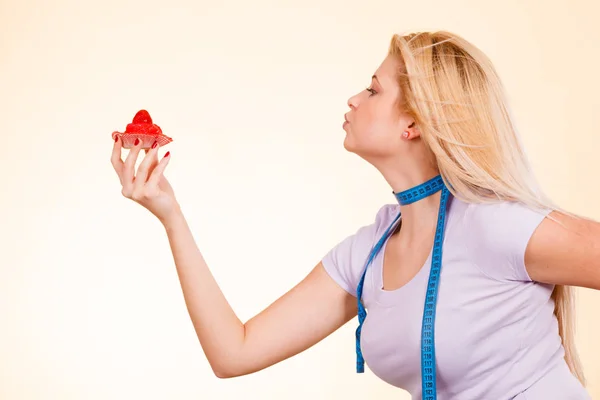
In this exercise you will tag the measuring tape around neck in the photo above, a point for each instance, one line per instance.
(428, 369)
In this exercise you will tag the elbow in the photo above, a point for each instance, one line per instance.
(227, 371)
(224, 373)
(230, 364)
(234, 370)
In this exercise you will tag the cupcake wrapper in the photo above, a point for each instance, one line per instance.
(128, 139)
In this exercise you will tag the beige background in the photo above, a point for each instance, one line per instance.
(254, 95)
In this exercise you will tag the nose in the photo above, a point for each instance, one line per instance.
(353, 102)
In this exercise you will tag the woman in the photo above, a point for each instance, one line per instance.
(474, 277)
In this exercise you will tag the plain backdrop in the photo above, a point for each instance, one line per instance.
(253, 93)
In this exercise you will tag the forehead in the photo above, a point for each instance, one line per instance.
(388, 70)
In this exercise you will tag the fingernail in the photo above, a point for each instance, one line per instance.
(154, 144)
(167, 154)
(116, 138)
(137, 141)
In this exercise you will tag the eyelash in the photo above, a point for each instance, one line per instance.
(372, 91)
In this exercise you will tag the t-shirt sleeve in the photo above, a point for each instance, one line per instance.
(345, 262)
(499, 237)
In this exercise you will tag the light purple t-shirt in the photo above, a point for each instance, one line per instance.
(496, 336)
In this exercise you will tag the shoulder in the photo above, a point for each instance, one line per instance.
(345, 261)
(372, 230)
(495, 220)
(498, 235)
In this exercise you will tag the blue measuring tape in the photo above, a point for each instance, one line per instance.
(428, 372)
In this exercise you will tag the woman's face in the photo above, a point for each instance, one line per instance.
(374, 124)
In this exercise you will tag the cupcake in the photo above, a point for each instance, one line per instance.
(145, 130)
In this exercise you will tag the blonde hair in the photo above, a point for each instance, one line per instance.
(453, 92)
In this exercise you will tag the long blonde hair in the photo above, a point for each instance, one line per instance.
(457, 99)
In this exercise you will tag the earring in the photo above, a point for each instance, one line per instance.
(405, 134)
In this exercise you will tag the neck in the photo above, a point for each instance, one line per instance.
(419, 217)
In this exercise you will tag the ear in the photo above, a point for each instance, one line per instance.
(411, 132)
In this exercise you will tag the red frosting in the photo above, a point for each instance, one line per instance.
(142, 123)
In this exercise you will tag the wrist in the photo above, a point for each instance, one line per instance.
(173, 218)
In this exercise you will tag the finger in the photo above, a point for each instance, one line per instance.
(154, 160)
(158, 171)
(145, 167)
(115, 158)
(153, 164)
(128, 169)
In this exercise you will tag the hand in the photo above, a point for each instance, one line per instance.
(146, 186)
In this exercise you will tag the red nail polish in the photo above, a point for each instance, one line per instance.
(154, 145)
(167, 154)
(137, 141)
(116, 138)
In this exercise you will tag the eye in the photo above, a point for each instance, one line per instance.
(371, 90)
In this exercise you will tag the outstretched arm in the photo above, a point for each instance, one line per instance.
(306, 314)
(303, 316)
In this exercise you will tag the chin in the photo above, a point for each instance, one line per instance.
(362, 148)
(348, 145)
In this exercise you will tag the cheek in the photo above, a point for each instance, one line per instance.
(373, 128)
(373, 125)
(369, 137)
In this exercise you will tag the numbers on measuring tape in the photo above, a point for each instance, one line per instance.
(428, 370)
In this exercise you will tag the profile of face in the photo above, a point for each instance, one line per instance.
(375, 124)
